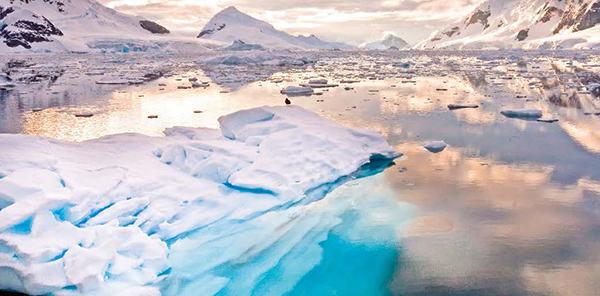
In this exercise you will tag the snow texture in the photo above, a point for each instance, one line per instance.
(102, 217)
(86, 26)
(528, 24)
(231, 24)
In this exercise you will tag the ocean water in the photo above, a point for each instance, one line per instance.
(510, 207)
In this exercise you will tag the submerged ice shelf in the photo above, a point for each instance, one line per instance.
(121, 214)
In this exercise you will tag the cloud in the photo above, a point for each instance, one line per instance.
(352, 21)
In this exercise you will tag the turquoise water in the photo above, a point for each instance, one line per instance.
(351, 267)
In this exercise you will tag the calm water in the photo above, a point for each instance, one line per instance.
(511, 207)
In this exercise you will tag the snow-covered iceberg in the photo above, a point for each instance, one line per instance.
(101, 217)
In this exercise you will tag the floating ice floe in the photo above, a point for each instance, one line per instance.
(112, 82)
(435, 146)
(522, 113)
(547, 120)
(462, 106)
(318, 83)
(297, 90)
(103, 217)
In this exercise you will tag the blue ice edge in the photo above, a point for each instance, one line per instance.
(333, 245)
(377, 163)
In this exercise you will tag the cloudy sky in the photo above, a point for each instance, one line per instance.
(351, 21)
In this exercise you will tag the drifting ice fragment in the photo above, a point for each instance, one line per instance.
(318, 81)
(297, 90)
(436, 146)
(522, 113)
(462, 106)
(112, 82)
(547, 120)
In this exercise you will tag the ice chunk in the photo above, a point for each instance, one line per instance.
(462, 106)
(236, 121)
(297, 90)
(318, 81)
(547, 120)
(435, 146)
(112, 82)
(522, 113)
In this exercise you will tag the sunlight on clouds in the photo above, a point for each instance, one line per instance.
(352, 21)
(391, 3)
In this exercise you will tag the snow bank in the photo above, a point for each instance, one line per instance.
(100, 217)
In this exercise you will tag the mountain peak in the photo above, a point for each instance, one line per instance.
(230, 10)
(231, 24)
(390, 36)
(389, 41)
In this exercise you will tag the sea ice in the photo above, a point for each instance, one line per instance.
(462, 106)
(435, 146)
(103, 216)
(297, 90)
(257, 57)
(522, 113)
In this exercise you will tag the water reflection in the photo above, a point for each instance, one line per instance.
(488, 227)
(510, 208)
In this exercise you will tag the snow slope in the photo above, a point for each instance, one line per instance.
(24, 29)
(231, 24)
(521, 24)
(390, 41)
(102, 217)
(87, 24)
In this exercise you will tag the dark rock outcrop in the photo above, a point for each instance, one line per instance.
(579, 16)
(153, 27)
(59, 4)
(481, 17)
(523, 34)
(208, 32)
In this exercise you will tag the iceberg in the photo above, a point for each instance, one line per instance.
(318, 83)
(104, 216)
(435, 146)
(522, 113)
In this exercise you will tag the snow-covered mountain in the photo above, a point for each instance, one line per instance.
(66, 24)
(390, 41)
(231, 24)
(522, 24)
(22, 28)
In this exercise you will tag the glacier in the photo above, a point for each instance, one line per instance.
(190, 213)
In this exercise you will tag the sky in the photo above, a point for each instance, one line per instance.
(350, 21)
